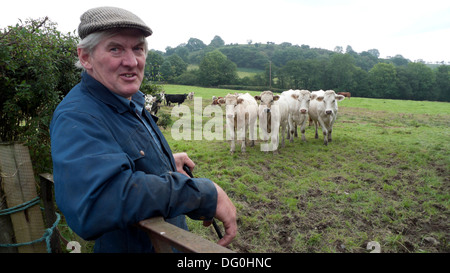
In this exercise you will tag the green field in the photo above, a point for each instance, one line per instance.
(384, 178)
(242, 72)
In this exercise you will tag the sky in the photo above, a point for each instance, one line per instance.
(414, 29)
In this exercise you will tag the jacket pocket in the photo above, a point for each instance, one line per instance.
(136, 145)
(144, 153)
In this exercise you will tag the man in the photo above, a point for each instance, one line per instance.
(112, 165)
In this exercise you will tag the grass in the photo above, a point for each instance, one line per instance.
(384, 177)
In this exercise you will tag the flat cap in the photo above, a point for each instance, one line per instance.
(103, 18)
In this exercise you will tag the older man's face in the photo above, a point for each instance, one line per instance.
(118, 62)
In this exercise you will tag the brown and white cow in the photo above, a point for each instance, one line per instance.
(298, 101)
(241, 116)
(323, 110)
(273, 114)
(216, 100)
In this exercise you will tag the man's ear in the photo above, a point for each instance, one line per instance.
(85, 58)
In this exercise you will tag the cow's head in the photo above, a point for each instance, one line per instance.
(231, 101)
(304, 97)
(330, 100)
(267, 99)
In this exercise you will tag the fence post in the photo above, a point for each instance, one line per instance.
(6, 229)
(19, 186)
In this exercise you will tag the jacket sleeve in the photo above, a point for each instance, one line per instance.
(98, 191)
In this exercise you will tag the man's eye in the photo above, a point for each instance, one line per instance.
(139, 49)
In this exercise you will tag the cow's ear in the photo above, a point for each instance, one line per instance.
(240, 100)
(319, 98)
(294, 96)
(340, 97)
(257, 97)
(276, 97)
(313, 96)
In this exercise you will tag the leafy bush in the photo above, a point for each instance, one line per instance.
(36, 71)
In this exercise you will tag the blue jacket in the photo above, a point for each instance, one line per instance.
(110, 174)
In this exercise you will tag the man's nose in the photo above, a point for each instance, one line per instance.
(129, 59)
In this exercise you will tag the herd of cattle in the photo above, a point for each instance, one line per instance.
(283, 111)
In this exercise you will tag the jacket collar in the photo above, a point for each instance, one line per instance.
(100, 92)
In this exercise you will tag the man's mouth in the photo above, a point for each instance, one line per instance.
(128, 75)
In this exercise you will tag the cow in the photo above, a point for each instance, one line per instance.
(149, 100)
(323, 111)
(191, 95)
(155, 107)
(273, 114)
(298, 101)
(317, 93)
(345, 94)
(216, 100)
(152, 104)
(241, 116)
(175, 98)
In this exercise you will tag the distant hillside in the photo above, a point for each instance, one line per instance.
(287, 66)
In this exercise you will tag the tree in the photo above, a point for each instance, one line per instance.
(217, 42)
(152, 65)
(183, 52)
(293, 73)
(398, 60)
(443, 83)
(166, 70)
(374, 52)
(340, 72)
(338, 49)
(383, 81)
(216, 69)
(172, 67)
(195, 44)
(421, 79)
(178, 65)
(349, 50)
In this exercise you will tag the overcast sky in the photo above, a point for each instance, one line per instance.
(412, 28)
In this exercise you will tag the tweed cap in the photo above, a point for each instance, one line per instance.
(103, 18)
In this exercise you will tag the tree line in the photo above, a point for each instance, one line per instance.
(286, 66)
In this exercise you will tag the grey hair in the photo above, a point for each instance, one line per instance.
(92, 40)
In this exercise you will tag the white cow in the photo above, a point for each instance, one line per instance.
(241, 116)
(317, 93)
(273, 114)
(149, 100)
(323, 110)
(298, 101)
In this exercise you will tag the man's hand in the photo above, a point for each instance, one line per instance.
(182, 159)
(226, 213)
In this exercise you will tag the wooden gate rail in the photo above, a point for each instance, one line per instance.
(163, 235)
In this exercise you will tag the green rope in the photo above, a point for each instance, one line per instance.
(48, 232)
(20, 207)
